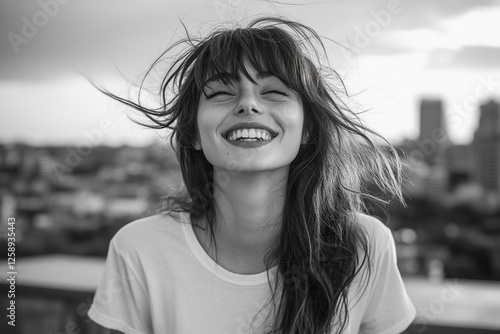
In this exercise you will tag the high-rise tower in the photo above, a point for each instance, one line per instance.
(487, 147)
(433, 138)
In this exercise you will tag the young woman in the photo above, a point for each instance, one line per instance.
(273, 238)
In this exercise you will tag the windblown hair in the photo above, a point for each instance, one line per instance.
(321, 248)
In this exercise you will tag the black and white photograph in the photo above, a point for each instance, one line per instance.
(250, 167)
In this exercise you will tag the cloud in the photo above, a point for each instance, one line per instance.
(386, 46)
(132, 33)
(429, 13)
(40, 38)
(405, 26)
(472, 56)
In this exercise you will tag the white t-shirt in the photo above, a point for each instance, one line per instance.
(159, 279)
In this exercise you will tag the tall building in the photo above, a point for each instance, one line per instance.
(487, 147)
(460, 165)
(433, 139)
(461, 159)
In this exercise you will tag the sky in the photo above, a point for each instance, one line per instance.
(400, 52)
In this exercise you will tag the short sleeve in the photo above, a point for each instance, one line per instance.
(120, 302)
(389, 310)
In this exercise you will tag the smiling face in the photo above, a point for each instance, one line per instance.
(249, 125)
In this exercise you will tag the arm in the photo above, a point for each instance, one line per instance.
(96, 328)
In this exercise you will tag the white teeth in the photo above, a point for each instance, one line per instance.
(249, 134)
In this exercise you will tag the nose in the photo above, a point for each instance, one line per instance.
(248, 103)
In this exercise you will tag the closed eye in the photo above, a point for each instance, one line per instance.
(213, 94)
(275, 91)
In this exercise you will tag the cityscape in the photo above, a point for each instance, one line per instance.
(73, 199)
(66, 200)
(453, 198)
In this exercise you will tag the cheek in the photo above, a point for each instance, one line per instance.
(295, 123)
(207, 125)
(201, 121)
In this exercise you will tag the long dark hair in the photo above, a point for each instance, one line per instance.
(322, 248)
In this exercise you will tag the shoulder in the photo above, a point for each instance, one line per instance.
(149, 232)
(372, 225)
(378, 234)
(383, 305)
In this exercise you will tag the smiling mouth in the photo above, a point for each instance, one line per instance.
(252, 134)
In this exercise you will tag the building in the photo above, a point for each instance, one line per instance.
(487, 147)
(433, 139)
(460, 165)
(461, 159)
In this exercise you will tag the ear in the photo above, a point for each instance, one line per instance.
(197, 145)
(305, 138)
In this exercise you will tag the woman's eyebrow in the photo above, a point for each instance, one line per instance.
(264, 75)
(228, 77)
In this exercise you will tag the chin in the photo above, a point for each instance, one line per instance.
(251, 166)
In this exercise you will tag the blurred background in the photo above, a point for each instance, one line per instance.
(74, 168)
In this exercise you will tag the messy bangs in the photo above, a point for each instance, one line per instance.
(270, 50)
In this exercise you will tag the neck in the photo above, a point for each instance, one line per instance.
(248, 211)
